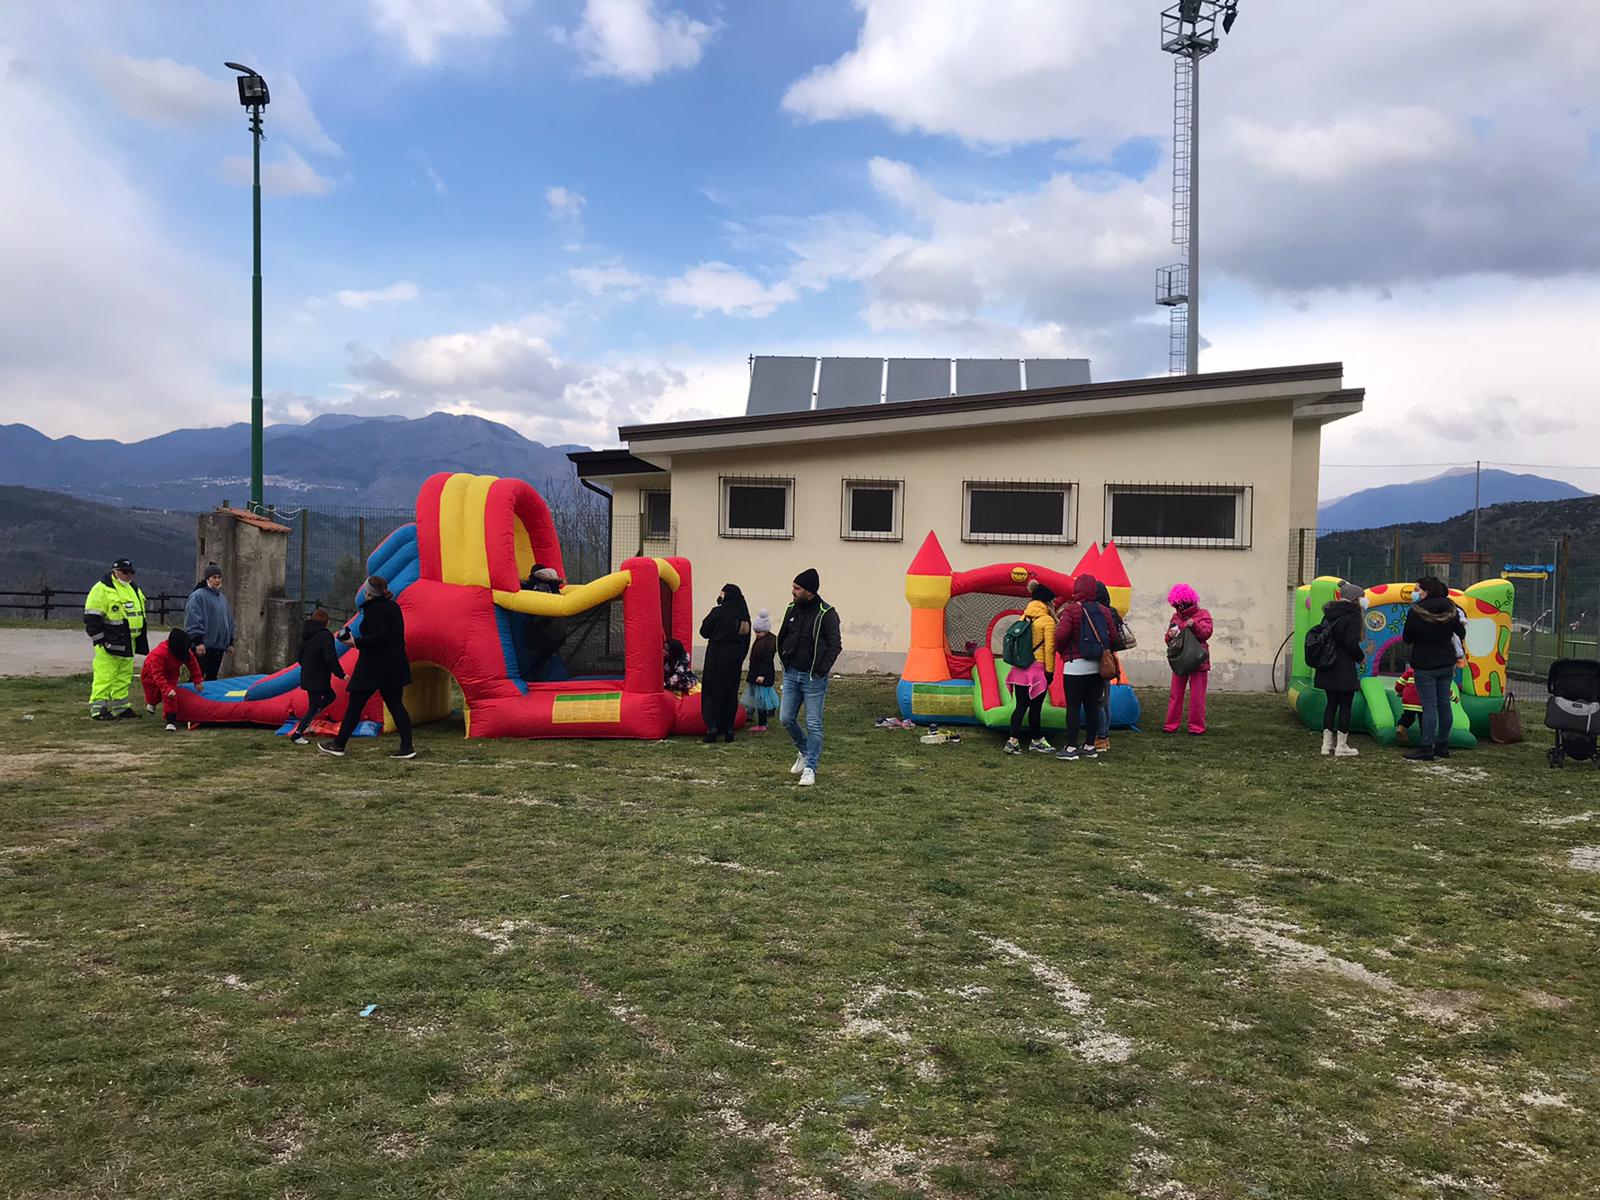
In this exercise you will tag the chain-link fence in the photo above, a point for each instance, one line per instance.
(1556, 613)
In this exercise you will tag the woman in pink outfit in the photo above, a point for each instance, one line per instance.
(1187, 614)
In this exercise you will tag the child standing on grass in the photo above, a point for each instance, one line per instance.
(161, 671)
(677, 676)
(760, 697)
(319, 663)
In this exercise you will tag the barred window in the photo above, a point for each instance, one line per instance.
(757, 507)
(657, 516)
(1018, 512)
(1179, 515)
(869, 510)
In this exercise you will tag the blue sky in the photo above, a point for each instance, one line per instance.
(565, 214)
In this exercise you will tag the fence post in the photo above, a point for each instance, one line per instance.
(1395, 575)
(305, 532)
(46, 604)
(361, 542)
(1564, 566)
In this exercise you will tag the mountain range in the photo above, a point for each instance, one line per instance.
(1437, 499)
(334, 460)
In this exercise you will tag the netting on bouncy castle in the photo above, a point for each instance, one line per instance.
(970, 621)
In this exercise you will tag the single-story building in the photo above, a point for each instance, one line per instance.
(1209, 479)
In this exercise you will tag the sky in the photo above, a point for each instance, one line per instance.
(568, 215)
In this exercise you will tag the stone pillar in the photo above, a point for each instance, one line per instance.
(1437, 564)
(253, 553)
(1474, 568)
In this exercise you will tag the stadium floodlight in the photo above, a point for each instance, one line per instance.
(254, 96)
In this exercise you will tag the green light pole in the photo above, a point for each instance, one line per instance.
(254, 96)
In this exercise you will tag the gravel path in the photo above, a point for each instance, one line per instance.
(44, 652)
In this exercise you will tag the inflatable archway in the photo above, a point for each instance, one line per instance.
(951, 675)
(456, 574)
(1480, 689)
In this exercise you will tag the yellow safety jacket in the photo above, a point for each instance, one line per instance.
(113, 615)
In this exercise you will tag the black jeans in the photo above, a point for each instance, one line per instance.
(1083, 702)
(1336, 716)
(1031, 707)
(210, 661)
(316, 701)
(394, 699)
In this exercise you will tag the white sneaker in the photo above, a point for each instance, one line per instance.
(150, 708)
(171, 728)
(807, 777)
(799, 764)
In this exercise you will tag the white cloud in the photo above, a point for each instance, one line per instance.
(111, 325)
(290, 114)
(288, 175)
(565, 204)
(632, 41)
(423, 26)
(509, 372)
(396, 293)
(717, 287)
(1355, 142)
(159, 89)
(603, 278)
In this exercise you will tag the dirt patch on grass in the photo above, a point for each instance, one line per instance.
(1584, 858)
(1092, 1041)
(501, 934)
(85, 759)
(727, 864)
(283, 1140)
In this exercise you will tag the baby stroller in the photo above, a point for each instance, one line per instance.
(1573, 710)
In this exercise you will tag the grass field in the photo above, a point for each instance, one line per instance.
(1218, 967)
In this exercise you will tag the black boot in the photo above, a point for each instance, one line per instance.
(1420, 754)
(1441, 751)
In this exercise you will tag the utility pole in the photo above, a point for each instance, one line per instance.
(1189, 34)
(1477, 500)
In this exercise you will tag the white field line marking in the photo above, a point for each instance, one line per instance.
(1094, 1043)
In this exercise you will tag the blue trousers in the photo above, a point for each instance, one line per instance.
(1433, 687)
(803, 687)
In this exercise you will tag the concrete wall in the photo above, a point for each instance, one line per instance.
(253, 555)
(1255, 444)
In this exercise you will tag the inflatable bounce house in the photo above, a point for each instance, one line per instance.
(457, 574)
(953, 675)
(1479, 692)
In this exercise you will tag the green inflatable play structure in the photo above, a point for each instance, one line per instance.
(1480, 688)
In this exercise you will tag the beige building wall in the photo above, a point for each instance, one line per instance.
(1259, 445)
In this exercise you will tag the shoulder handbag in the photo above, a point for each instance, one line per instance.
(1185, 652)
(1108, 659)
(1124, 636)
(1505, 726)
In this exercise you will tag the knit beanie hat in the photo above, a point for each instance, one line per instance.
(763, 622)
(809, 580)
(212, 571)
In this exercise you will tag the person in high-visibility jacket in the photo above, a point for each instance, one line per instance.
(113, 616)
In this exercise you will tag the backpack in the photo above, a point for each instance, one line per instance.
(1017, 649)
(1094, 645)
(1321, 650)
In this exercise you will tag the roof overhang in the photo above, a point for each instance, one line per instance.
(608, 464)
(1314, 392)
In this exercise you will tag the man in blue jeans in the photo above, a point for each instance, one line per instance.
(808, 645)
(1432, 629)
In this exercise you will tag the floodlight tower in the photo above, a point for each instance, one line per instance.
(1188, 33)
(253, 94)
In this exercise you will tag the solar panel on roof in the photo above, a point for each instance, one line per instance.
(780, 385)
(917, 379)
(976, 376)
(846, 382)
(1057, 372)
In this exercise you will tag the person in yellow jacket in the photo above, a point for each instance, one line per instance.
(113, 617)
(1030, 684)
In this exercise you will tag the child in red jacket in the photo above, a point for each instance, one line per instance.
(160, 673)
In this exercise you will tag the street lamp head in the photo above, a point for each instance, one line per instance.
(252, 88)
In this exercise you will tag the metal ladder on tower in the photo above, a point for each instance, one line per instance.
(1175, 282)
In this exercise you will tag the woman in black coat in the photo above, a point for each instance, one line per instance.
(1433, 632)
(726, 630)
(1341, 681)
(382, 667)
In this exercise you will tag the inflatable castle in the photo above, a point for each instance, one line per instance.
(952, 675)
(1479, 691)
(457, 575)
